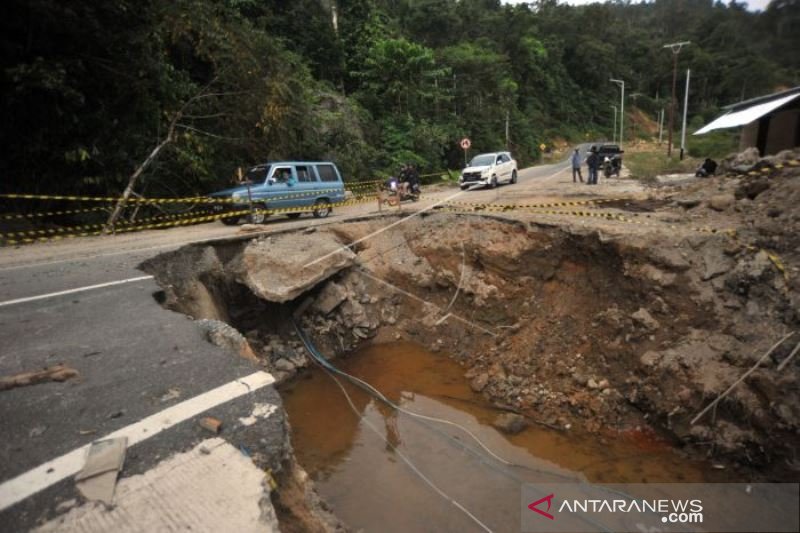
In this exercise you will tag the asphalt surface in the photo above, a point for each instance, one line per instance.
(134, 358)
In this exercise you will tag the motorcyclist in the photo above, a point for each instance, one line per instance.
(412, 179)
(404, 179)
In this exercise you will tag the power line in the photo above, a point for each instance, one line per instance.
(676, 49)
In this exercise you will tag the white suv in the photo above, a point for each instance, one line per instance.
(489, 169)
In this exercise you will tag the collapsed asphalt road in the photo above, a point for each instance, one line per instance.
(135, 363)
(140, 367)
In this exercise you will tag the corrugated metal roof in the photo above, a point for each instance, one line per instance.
(745, 115)
(761, 99)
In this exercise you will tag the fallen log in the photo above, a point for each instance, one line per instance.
(58, 373)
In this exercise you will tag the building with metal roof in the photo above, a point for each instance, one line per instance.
(770, 123)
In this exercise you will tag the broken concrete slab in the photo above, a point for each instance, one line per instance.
(104, 460)
(221, 490)
(225, 336)
(330, 297)
(281, 268)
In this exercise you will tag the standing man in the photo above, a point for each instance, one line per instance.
(576, 166)
(593, 162)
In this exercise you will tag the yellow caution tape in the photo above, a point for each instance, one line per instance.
(767, 169)
(354, 186)
(592, 214)
(778, 263)
(56, 213)
(138, 200)
(509, 207)
(90, 230)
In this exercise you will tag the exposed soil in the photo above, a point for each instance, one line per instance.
(563, 324)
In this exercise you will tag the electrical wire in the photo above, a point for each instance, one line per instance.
(400, 454)
(330, 369)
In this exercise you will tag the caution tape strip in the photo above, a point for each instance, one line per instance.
(102, 227)
(511, 207)
(606, 216)
(55, 213)
(767, 169)
(94, 230)
(194, 199)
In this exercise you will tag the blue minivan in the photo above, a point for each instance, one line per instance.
(284, 185)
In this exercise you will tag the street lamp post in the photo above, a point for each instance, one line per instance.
(621, 83)
(685, 107)
(676, 49)
(614, 136)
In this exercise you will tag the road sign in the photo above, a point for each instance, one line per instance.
(542, 147)
(466, 143)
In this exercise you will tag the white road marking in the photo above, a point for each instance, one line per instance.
(84, 258)
(73, 291)
(47, 474)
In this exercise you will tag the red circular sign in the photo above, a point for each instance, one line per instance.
(466, 143)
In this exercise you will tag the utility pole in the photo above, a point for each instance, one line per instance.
(634, 96)
(676, 49)
(335, 18)
(507, 117)
(685, 107)
(614, 136)
(621, 83)
(660, 126)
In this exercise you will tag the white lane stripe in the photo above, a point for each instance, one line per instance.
(39, 478)
(73, 291)
(84, 258)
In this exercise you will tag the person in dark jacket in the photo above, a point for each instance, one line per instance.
(708, 168)
(593, 162)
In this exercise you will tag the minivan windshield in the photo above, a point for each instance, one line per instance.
(257, 174)
(482, 160)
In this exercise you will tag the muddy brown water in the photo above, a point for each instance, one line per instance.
(356, 460)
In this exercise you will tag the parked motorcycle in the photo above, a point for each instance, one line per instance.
(393, 195)
(611, 166)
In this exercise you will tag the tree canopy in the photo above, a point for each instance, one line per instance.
(90, 88)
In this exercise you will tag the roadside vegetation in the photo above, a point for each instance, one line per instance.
(91, 88)
(646, 164)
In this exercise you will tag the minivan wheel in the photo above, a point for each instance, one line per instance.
(257, 217)
(230, 221)
(494, 182)
(322, 208)
(514, 176)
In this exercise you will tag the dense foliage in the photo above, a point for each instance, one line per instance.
(91, 87)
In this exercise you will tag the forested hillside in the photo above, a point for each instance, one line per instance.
(91, 88)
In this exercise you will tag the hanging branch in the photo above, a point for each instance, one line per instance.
(141, 168)
(169, 138)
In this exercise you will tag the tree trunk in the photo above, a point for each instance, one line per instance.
(112, 220)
